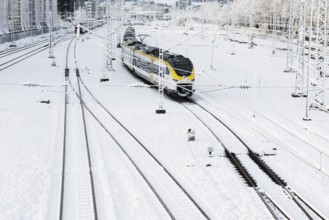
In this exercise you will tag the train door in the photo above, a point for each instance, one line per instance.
(152, 71)
(133, 57)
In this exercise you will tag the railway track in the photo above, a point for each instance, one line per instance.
(77, 193)
(302, 140)
(11, 51)
(258, 174)
(64, 135)
(167, 189)
(241, 163)
(17, 59)
(20, 58)
(254, 162)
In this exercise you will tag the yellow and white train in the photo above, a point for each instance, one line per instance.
(142, 60)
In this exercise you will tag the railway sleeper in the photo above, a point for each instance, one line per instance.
(269, 172)
(241, 169)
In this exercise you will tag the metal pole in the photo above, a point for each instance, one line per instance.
(109, 37)
(212, 51)
(290, 38)
(233, 36)
(320, 160)
(31, 6)
(119, 24)
(251, 27)
(212, 55)
(232, 33)
(12, 18)
(160, 109)
(320, 56)
(299, 83)
(187, 31)
(307, 118)
(51, 49)
(274, 28)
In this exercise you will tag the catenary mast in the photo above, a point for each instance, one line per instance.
(300, 66)
(320, 71)
(290, 37)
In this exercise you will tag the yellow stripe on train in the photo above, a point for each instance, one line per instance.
(172, 72)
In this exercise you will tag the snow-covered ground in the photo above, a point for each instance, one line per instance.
(265, 116)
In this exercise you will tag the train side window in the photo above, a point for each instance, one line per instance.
(148, 67)
(156, 69)
(137, 62)
(167, 71)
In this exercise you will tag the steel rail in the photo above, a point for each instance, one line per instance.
(149, 153)
(61, 205)
(261, 163)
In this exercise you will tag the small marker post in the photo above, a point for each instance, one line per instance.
(210, 150)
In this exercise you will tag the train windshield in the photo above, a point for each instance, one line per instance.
(183, 67)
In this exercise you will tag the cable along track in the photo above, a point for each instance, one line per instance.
(174, 198)
(257, 174)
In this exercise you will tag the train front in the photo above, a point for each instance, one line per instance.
(182, 74)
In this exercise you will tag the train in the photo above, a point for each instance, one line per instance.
(86, 26)
(143, 60)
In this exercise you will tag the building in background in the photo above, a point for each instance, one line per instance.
(183, 4)
(24, 15)
(65, 7)
(3, 17)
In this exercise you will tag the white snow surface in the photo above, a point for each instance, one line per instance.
(266, 117)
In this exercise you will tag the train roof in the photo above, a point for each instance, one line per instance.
(130, 29)
(129, 34)
(134, 42)
(153, 51)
